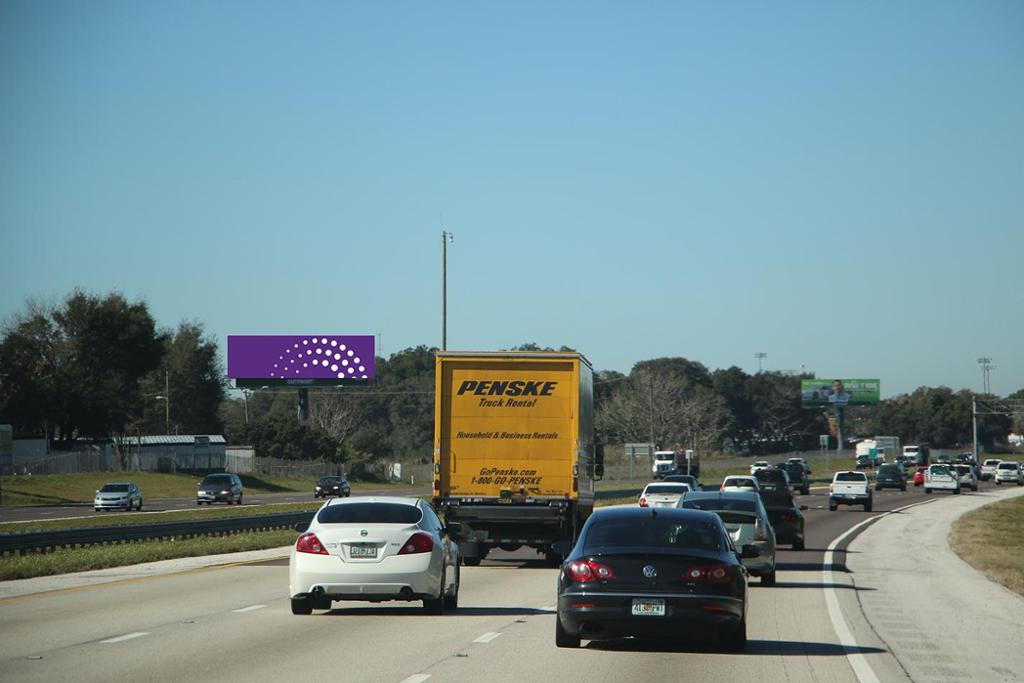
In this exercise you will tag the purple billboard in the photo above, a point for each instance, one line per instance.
(288, 357)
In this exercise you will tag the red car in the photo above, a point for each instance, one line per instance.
(919, 476)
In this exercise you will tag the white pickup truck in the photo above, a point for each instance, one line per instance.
(941, 477)
(849, 488)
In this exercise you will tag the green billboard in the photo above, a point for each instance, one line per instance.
(838, 392)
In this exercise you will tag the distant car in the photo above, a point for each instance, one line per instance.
(224, 487)
(740, 482)
(685, 479)
(1008, 471)
(788, 522)
(118, 495)
(988, 468)
(864, 462)
(807, 466)
(375, 549)
(772, 483)
(332, 486)
(850, 488)
(968, 479)
(662, 494)
(890, 476)
(941, 476)
(747, 522)
(797, 477)
(653, 574)
(919, 476)
(760, 465)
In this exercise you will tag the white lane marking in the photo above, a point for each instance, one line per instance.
(549, 608)
(127, 636)
(859, 664)
(250, 608)
(487, 637)
(418, 678)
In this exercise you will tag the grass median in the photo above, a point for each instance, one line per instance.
(123, 554)
(991, 539)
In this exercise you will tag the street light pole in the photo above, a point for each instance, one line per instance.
(446, 237)
(760, 355)
(167, 400)
(986, 366)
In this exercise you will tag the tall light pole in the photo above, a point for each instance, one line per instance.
(986, 367)
(446, 237)
(760, 356)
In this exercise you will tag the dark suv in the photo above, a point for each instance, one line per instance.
(890, 476)
(332, 486)
(773, 485)
(223, 487)
(797, 477)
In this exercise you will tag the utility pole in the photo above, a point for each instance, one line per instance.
(652, 411)
(986, 368)
(167, 400)
(446, 237)
(760, 356)
(974, 421)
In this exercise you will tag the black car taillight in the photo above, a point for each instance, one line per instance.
(788, 517)
(585, 571)
(709, 573)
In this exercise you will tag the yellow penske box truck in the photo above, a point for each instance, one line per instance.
(514, 453)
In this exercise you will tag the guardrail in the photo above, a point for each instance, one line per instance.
(42, 541)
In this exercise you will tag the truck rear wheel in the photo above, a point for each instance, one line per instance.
(552, 559)
(471, 561)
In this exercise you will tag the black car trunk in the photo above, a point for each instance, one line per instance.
(657, 571)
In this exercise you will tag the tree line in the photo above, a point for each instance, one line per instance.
(98, 367)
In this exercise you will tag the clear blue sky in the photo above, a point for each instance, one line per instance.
(839, 185)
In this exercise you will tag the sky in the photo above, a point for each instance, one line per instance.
(838, 185)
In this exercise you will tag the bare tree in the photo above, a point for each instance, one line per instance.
(334, 414)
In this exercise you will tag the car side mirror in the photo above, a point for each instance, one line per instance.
(453, 530)
(301, 527)
(749, 552)
(803, 507)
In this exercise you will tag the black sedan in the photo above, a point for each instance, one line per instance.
(653, 573)
(787, 521)
(332, 486)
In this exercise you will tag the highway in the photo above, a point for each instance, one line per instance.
(233, 623)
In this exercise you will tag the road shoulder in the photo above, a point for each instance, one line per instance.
(44, 584)
(942, 619)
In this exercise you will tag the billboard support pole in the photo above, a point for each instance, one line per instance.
(840, 427)
(303, 405)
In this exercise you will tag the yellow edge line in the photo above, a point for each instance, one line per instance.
(137, 579)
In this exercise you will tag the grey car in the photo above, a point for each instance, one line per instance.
(746, 520)
(223, 487)
(118, 495)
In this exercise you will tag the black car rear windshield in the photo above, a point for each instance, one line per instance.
(656, 532)
(217, 480)
(114, 488)
(370, 513)
(771, 476)
(889, 469)
(723, 503)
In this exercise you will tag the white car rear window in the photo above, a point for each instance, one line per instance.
(370, 513)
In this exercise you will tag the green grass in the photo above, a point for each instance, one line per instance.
(991, 539)
(128, 519)
(123, 554)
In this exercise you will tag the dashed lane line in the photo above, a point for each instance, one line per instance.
(250, 608)
(487, 637)
(127, 636)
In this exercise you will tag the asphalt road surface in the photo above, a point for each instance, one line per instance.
(233, 623)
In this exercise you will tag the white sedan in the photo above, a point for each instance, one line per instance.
(375, 549)
(663, 494)
(760, 465)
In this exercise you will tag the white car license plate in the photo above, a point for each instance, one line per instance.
(363, 551)
(648, 608)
